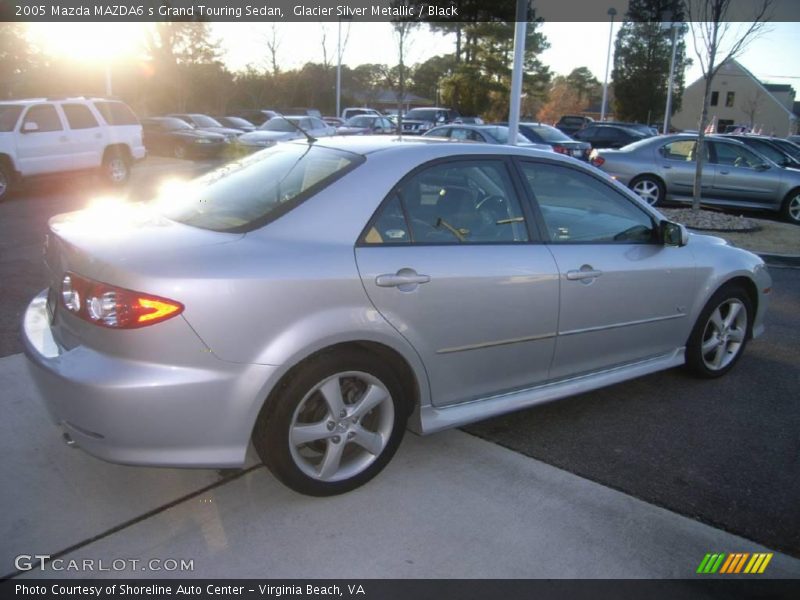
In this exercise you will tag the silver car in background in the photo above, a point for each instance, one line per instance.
(317, 298)
(662, 169)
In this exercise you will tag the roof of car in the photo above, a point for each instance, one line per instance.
(27, 101)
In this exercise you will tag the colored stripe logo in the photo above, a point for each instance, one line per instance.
(734, 563)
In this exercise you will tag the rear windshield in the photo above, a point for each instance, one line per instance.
(116, 113)
(573, 120)
(9, 115)
(550, 134)
(247, 194)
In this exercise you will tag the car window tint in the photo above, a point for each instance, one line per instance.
(576, 207)
(249, 193)
(463, 202)
(736, 156)
(389, 227)
(79, 116)
(459, 134)
(9, 114)
(769, 151)
(45, 117)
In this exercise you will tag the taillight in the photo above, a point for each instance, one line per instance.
(114, 307)
(560, 149)
(596, 159)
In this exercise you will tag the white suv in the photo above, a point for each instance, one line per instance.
(353, 112)
(46, 136)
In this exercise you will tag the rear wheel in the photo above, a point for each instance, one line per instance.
(790, 210)
(332, 424)
(5, 181)
(649, 189)
(116, 167)
(720, 334)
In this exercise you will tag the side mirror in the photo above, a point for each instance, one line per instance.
(673, 234)
(30, 127)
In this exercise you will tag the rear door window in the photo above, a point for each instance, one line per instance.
(79, 116)
(116, 113)
(45, 117)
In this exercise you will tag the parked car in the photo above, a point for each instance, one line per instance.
(470, 120)
(663, 168)
(333, 121)
(206, 123)
(280, 129)
(302, 110)
(489, 134)
(258, 116)
(366, 124)
(175, 137)
(770, 149)
(419, 120)
(236, 123)
(559, 141)
(318, 297)
(52, 136)
(348, 113)
(646, 130)
(609, 136)
(795, 139)
(570, 124)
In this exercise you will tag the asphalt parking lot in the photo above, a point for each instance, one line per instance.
(725, 453)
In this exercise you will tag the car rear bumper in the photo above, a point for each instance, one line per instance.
(134, 412)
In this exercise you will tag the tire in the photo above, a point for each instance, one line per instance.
(790, 209)
(649, 188)
(719, 337)
(116, 167)
(321, 443)
(179, 151)
(5, 181)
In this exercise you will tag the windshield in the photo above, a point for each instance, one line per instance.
(174, 124)
(247, 194)
(550, 134)
(279, 124)
(360, 121)
(204, 121)
(424, 114)
(9, 114)
(767, 150)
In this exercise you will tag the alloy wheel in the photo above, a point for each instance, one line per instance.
(724, 334)
(648, 191)
(793, 209)
(341, 426)
(117, 169)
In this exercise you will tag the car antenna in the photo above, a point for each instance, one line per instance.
(311, 139)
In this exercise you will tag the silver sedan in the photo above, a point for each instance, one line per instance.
(663, 168)
(318, 298)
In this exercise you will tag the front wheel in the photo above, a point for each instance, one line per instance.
(333, 424)
(720, 334)
(790, 210)
(649, 189)
(5, 182)
(116, 167)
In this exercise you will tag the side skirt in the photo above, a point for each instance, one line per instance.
(429, 419)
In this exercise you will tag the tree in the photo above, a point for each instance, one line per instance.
(585, 84)
(564, 99)
(16, 57)
(752, 105)
(273, 43)
(717, 41)
(642, 55)
(402, 33)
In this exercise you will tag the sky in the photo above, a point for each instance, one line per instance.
(771, 58)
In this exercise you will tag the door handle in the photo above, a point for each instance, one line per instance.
(724, 172)
(667, 166)
(404, 280)
(583, 274)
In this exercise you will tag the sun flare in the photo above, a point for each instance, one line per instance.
(90, 42)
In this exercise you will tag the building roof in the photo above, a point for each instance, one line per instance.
(778, 87)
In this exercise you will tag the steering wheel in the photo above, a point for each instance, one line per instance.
(488, 200)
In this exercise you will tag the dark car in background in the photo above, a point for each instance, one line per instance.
(236, 123)
(792, 148)
(609, 136)
(366, 124)
(170, 136)
(206, 123)
(768, 148)
(559, 141)
(570, 124)
(647, 130)
(419, 120)
(258, 116)
(795, 139)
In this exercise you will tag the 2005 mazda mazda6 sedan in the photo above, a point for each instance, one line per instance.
(319, 297)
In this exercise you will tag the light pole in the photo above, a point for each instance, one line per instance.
(612, 12)
(668, 110)
(339, 71)
(516, 74)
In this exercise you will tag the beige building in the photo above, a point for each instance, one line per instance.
(738, 98)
